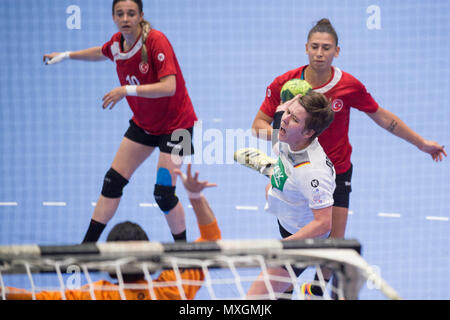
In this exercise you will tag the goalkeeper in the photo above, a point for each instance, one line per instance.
(127, 231)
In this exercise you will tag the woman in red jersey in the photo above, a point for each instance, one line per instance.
(345, 92)
(163, 115)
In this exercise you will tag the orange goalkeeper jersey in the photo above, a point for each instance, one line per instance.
(105, 290)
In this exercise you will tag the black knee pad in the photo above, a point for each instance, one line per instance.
(113, 184)
(165, 197)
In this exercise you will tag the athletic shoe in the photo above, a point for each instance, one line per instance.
(310, 291)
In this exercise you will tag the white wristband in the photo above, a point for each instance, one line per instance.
(131, 91)
(60, 57)
(194, 195)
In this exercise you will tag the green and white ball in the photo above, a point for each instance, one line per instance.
(294, 87)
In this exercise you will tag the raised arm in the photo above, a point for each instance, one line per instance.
(261, 126)
(397, 127)
(90, 54)
(194, 188)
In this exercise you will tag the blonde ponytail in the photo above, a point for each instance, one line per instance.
(146, 28)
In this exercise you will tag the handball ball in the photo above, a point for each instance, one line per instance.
(294, 87)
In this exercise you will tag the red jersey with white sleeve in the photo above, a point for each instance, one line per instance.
(344, 92)
(161, 115)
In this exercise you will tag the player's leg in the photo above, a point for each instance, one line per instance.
(259, 287)
(133, 150)
(298, 271)
(129, 157)
(165, 195)
(341, 198)
(173, 148)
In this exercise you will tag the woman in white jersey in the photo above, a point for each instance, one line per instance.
(300, 193)
(345, 92)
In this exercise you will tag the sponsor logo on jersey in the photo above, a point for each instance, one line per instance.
(337, 105)
(314, 183)
(144, 67)
(269, 92)
(279, 176)
(173, 145)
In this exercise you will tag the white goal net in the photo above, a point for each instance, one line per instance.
(222, 270)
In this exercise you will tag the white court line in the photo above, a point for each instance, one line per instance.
(147, 205)
(8, 204)
(437, 218)
(389, 215)
(254, 208)
(53, 204)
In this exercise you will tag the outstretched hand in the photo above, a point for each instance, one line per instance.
(434, 149)
(114, 96)
(55, 57)
(191, 183)
(283, 107)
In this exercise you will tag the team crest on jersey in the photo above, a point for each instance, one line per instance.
(161, 57)
(337, 105)
(144, 67)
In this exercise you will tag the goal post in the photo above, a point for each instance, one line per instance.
(228, 258)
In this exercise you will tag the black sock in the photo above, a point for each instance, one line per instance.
(180, 237)
(94, 231)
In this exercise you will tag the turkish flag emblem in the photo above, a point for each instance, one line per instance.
(144, 67)
(337, 105)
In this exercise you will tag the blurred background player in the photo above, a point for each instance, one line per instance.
(345, 92)
(300, 193)
(153, 84)
(127, 231)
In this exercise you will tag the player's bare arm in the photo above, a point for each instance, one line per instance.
(166, 87)
(392, 123)
(194, 187)
(316, 228)
(261, 126)
(90, 54)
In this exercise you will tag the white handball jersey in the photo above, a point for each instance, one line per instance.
(301, 181)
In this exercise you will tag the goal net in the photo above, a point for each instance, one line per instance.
(227, 268)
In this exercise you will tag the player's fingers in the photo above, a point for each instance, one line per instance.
(107, 100)
(180, 173)
(106, 103)
(209, 185)
(188, 170)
